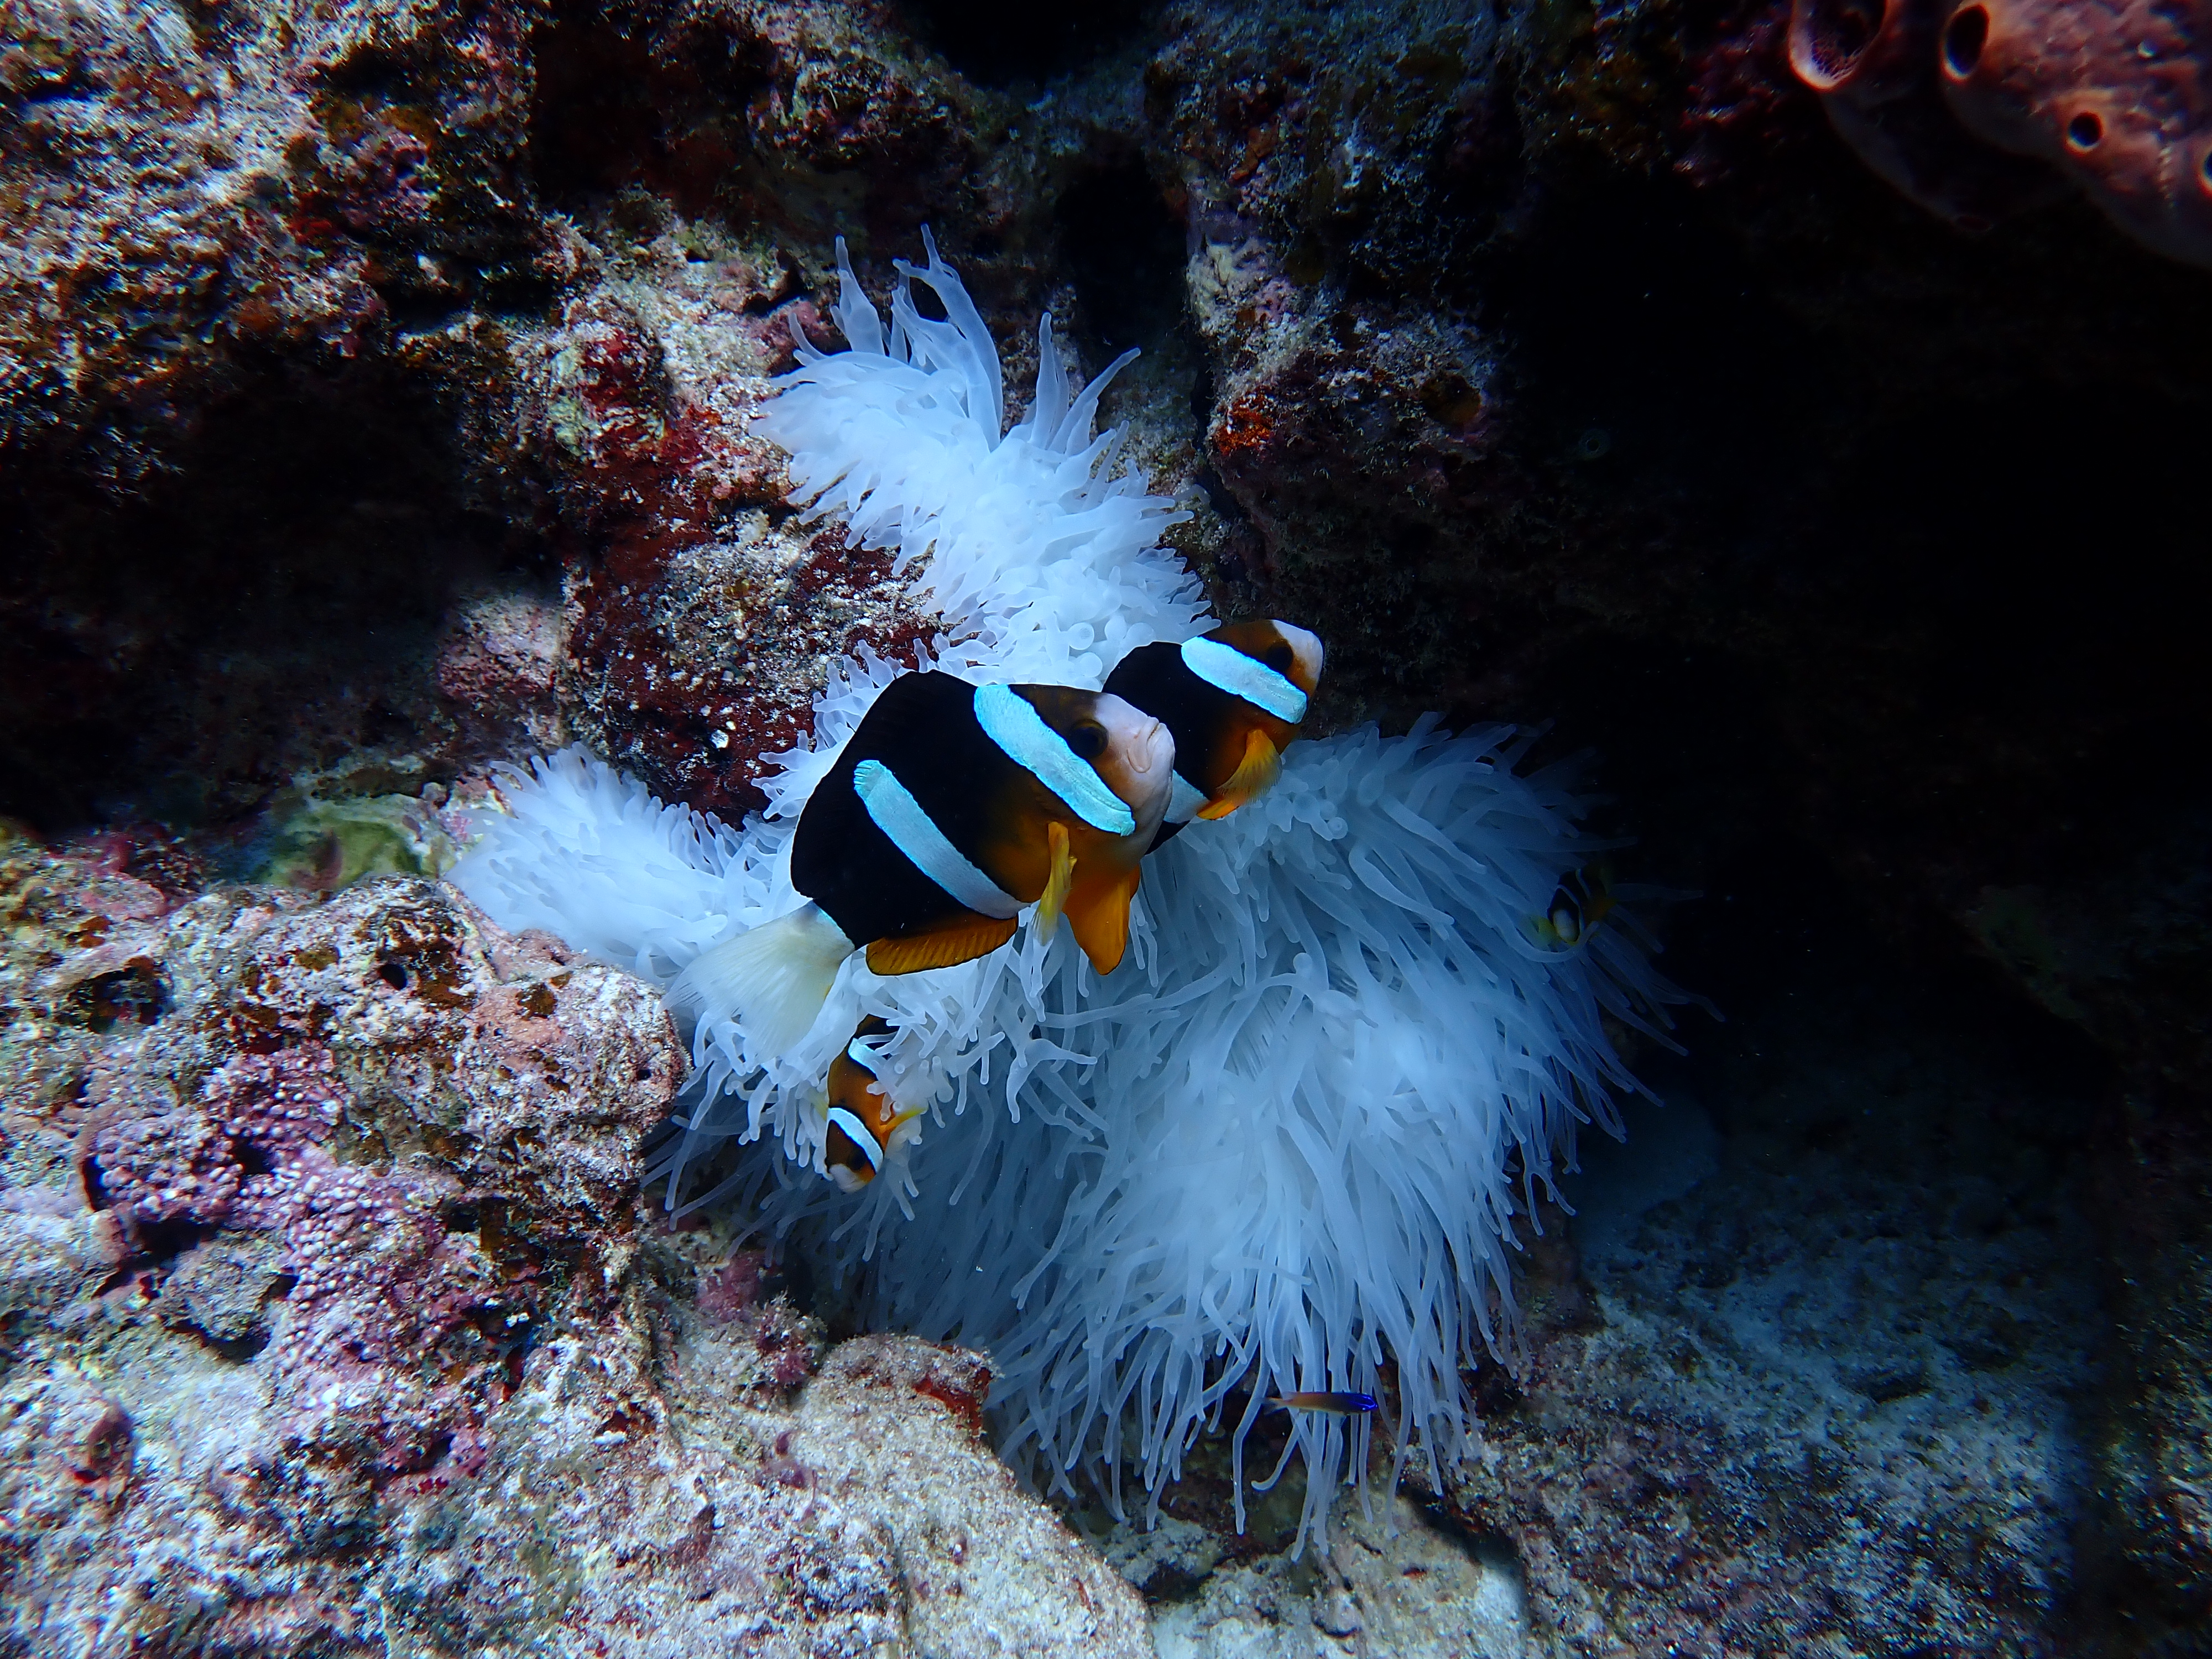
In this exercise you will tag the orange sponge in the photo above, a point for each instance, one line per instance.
(1874, 65)
(2119, 93)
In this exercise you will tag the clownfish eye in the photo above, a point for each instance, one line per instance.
(1087, 740)
(1279, 656)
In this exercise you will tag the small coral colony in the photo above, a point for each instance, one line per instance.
(1251, 1132)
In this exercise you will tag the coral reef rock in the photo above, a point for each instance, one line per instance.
(1391, 1582)
(985, 1568)
(331, 1317)
(1815, 1384)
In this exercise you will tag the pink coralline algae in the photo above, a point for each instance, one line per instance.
(193, 1164)
(376, 1280)
(174, 1167)
(1957, 106)
(276, 1103)
(783, 1343)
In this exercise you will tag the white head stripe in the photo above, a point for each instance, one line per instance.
(1184, 798)
(1009, 721)
(1228, 669)
(859, 1134)
(899, 816)
(861, 1056)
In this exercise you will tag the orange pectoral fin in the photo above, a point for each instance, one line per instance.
(1056, 884)
(1101, 920)
(964, 938)
(1254, 775)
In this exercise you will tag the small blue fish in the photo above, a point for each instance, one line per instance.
(1344, 1405)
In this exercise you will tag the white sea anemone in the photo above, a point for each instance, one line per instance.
(1285, 1145)
(1042, 558)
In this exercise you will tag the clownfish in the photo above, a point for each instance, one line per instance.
(864, 1120)
(1233, 698)
(1583, 899)
(951, 807)
(1344, 1404)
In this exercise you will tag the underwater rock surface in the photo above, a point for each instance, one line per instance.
(374, 383)
(1819, 1382)
(332, 1319)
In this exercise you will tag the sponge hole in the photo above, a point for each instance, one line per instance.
(1829, 37)
(1964, 37)
(2086, 130)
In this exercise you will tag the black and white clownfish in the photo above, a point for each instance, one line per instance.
(952, 807)
(1233, 698)
(1582, 901)
(864, 1120)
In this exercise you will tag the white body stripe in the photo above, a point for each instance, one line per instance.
(858, 1134)
(1009, 721)
(899, 816)
(1184, 799)
(1228, 669)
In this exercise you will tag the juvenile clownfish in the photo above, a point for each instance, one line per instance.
(1582, 901)
(1344, 1404)
(864, 1120)
(1233, 698)
(952, 806)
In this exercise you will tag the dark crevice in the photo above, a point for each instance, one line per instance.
(616, 107)
(251, 1159)
(239, 1350)
(135, 993)
(266, 603)
(1002, 42)
(1124, 248)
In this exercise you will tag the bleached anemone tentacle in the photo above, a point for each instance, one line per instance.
(1286, 1145)
(1305, 1174)
(1043, 560)
(588, 853)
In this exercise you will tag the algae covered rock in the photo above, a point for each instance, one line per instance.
(334, 1315)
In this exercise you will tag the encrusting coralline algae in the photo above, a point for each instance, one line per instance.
(1282, 1147)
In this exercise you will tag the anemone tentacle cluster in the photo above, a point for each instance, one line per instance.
(1285, 1145)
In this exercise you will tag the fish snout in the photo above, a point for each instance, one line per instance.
(1148, 773)
(1158, 746)
(1138, 764)
(1137, 742)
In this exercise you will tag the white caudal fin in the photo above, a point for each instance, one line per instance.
(772, 979)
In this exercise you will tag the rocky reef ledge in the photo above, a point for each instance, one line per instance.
(333, 1322)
